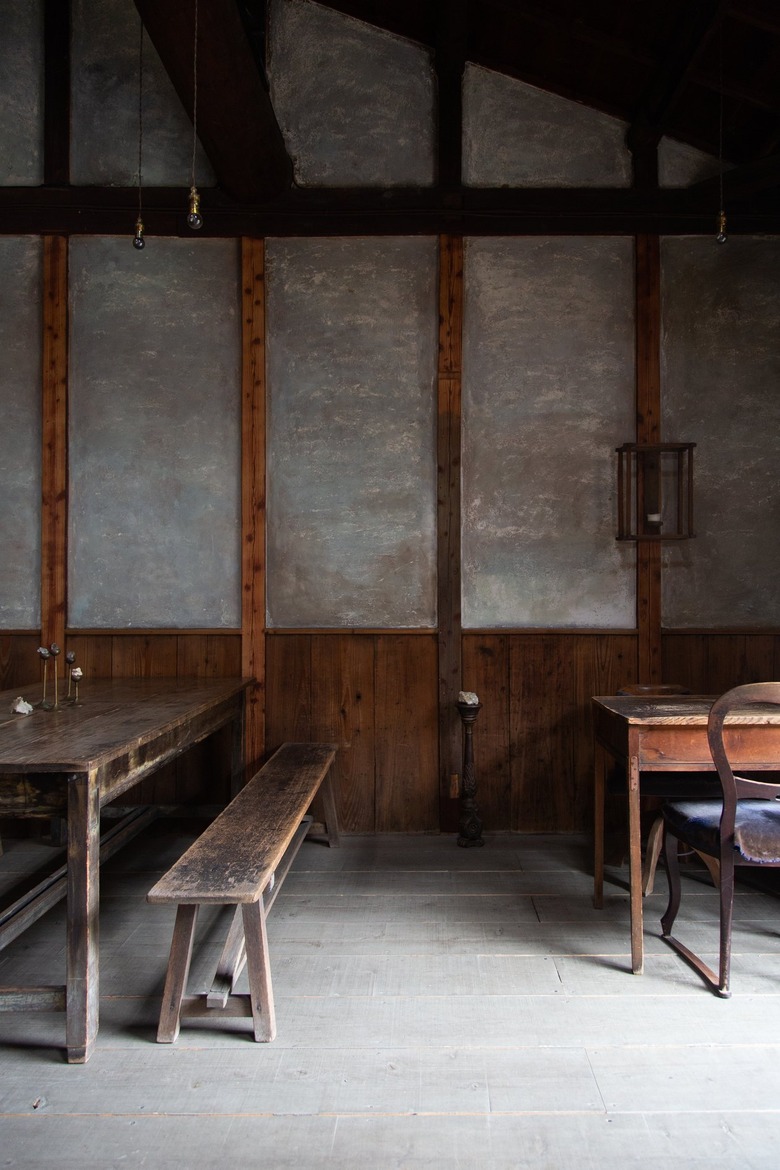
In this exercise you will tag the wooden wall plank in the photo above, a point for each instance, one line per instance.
(711, 662)
(486, 672)
(407, 790)
(144, 656)
(448, 518)
(288, 689)
(208, 655)
(343, 713)
(542, 714)
(253, 463)
(54, 468)
(19, 663)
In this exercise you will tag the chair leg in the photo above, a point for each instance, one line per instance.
(652, 853)
(177, 973)
(673, 873)
(726, 918)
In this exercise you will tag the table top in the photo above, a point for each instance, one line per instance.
(111, 715)
(680, 710)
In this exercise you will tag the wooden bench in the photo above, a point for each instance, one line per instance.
(241, 860)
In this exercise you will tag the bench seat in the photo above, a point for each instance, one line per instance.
(241, 860)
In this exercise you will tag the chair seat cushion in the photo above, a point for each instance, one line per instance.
(756, 830)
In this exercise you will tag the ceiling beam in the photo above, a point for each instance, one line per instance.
(376, 212)
(236, 123)
(694, 30)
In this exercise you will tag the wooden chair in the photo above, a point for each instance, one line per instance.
(740, 829)
(660, 786)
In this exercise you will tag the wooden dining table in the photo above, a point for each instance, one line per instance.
(72, 761)
(665, 734)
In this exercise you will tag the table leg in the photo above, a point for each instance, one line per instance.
(237, 763)
(83, 906)
(635, 866)
(599, 783)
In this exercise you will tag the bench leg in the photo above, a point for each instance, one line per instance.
(258, 971)
(331, 819)
(177, 973)
(231, 963)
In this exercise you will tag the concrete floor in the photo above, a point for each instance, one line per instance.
(436, 1007)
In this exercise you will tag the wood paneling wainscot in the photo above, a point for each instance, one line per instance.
(375, 695)
(533, 742)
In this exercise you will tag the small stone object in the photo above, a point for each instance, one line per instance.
(20, 706)
(469, 698)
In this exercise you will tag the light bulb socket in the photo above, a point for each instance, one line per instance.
(194, 218)
(138, 239)
(721, 237)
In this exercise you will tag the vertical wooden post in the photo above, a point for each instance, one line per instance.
(54, 465)
(648, 430)
(253, 492)
(448, 553)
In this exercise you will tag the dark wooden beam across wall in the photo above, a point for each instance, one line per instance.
(393, 211)
(236, 122)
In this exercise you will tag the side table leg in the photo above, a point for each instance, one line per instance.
(83, 907)
(599, 782)
(635, 867)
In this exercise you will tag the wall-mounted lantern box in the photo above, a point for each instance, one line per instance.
(655, 491)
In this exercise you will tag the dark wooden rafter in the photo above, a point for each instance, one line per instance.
(450, 61)
(698, 22)
(236, 122)
(56, 89)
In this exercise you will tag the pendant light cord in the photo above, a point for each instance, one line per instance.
(194, 96)
(140, 113)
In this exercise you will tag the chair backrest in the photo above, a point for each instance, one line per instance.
(763, 694)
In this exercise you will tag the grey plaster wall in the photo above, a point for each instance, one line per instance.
(355, 104)
(721, 390)
(21, 93)
(351, 359)
(104, 104)
(154, 432)
(680, 165)
(548, 393)
(20, 432)
(515, 135)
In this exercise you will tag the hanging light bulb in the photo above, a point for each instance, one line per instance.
(721, 237)
(138, 239)
(194, 218)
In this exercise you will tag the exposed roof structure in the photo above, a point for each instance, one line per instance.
(705, 73)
